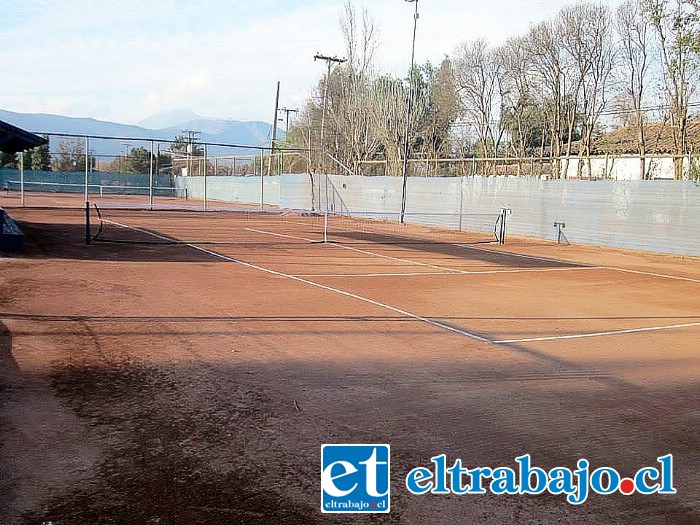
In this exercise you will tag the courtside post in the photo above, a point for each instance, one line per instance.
(21, 179)
(502, 236)
(205, 177)
(325, 226)
(87, 222)
(461, 201)
(150, 181)
(87, 168)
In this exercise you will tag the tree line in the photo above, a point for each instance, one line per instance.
(544, 93)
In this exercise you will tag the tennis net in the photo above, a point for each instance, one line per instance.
(222, 224)
(14, 187)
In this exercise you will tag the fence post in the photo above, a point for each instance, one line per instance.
(150, 181)
(262, 182)
(205, 177)
(87, 167)
(87, 222)
(461, 201)
(21, 179)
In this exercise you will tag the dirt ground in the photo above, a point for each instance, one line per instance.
(176, 384)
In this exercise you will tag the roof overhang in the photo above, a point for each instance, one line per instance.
(14, 139)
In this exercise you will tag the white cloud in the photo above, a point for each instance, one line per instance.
(126, 60)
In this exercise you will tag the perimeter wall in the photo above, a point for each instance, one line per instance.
(658, 216)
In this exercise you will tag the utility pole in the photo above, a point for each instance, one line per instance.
(287, 111)
(329, 62)
(274, 131)
(192, 138)
(408, 114)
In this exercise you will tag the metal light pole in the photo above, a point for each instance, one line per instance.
(408, 113)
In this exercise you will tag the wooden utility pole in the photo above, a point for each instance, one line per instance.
(329, 62)
(274, 131)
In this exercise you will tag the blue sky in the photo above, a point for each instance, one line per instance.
(124, 61)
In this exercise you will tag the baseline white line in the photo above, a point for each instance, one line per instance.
(318, 285)
(597, 334)
(546, 259)
(664, 275)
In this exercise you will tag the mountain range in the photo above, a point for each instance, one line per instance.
(165, 125)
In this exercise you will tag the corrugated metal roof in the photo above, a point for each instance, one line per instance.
(14, 139)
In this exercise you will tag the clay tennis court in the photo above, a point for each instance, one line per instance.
(153, 382)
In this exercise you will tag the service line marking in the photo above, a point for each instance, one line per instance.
(597, 334)
(446, 270)
(417, 263)
(367, 300)
(460, 272)
(405, 313)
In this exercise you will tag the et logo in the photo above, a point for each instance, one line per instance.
(355, 478)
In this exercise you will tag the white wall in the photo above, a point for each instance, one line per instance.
(660, 216)
(621, 168)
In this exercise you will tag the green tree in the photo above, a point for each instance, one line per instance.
(138, 161)
(40, 158)
(70, 157)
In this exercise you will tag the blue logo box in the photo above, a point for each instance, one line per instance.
(355, 478)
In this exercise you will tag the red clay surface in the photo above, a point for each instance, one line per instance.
(161, 383)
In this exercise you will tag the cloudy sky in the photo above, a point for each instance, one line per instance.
(124, 61)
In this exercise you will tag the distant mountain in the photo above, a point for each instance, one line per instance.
(169, 118)
(212, 130)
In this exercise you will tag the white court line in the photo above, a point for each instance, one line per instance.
(435, 267)
(405, 312)
(666, 276)
(447, 269)
(626, 270)
(461, 272)
(409, 274)
(597, 334)
(317, 285)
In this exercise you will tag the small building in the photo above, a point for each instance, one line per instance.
(615, 155)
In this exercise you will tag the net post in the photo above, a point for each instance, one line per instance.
(87, 222)
(325, 226)
(150, 181)
(502, 233)
(21, 179)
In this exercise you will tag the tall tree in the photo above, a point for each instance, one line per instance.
(518, 100)
(442, 112)
(40, 158)
(477, 77)
(70, 157)
(587, 40)
(547, 67)
(634, 52)
(676, 28)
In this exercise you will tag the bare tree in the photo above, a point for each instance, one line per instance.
(387, 105)
(587, 38)
(477, 80)
(547, 67)
(517, 98)
(634, 54)
(434, 131)
(675, 28)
